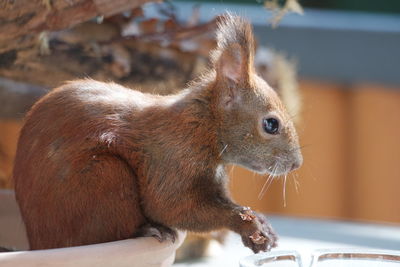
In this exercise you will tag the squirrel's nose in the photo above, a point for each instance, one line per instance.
(297, 162)
(295, 166)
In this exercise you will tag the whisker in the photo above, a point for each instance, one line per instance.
(277, 157)
(292, 114)
(223, 150)
(310, 172)
(284, 191)
(267, 183)
(296, 183)
(254, 176)
(276, 169)
(265, 187)
(300, 147)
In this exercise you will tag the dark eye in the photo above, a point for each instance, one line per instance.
(271, 125)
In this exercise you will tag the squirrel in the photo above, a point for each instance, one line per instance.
(99, 162)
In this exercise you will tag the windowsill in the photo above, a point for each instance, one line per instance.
(306, 236)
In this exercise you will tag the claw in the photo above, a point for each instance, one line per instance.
(247, 217)
(258, 238)
(159, 232)
(247, 214)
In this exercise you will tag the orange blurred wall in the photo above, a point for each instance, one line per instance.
(9, 132)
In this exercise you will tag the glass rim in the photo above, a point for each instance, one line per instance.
(277, 255)
(319, 255)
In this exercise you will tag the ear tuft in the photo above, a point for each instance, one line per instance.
(233, 57)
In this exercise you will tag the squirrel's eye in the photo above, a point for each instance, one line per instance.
(271, 125)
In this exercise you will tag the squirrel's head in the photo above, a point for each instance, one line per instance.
(255, 130)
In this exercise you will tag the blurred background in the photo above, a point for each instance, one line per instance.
(348, 66)
(336, 65)
(349, 78)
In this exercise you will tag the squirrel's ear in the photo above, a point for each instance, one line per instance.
(233, 57)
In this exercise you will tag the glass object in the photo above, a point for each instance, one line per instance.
(273, 259)
(325, 258)
(355, 258)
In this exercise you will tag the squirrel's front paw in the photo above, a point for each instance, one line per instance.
(259, 235)
(159, 232)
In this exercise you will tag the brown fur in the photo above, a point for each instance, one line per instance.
(98, 162)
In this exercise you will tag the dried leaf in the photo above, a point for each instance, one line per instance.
(279, 11)
(137, 12)
(43, 44)
(149, 26)
(121, 65)
(194, 19)
(170, 25)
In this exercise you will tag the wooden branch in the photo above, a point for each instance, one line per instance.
(173, 53)
(175, 35)
(22, 20)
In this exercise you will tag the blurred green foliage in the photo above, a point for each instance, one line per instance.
(381, 6)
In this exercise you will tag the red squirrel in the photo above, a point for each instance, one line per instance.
(98, 162)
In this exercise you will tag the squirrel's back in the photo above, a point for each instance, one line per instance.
(63, 151)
